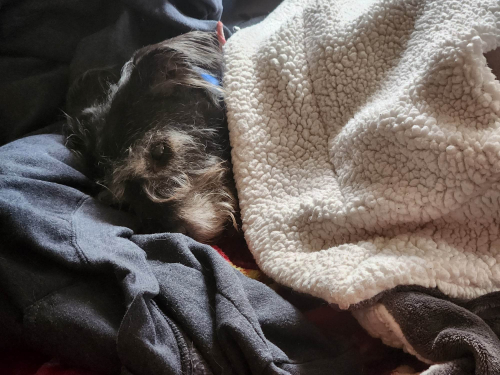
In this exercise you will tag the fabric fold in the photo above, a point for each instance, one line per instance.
(366, 146)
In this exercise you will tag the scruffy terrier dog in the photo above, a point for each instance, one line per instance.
(157, 141)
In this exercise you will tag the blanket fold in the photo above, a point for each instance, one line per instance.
(366, 154)
(366, 147)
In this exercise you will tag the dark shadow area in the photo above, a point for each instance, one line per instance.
(493, 60)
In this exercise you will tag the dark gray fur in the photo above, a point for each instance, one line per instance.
(156, 140)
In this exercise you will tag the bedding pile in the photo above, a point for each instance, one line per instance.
(315, 130)
(366, 152)
(78, 285)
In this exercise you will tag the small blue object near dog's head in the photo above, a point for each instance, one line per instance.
(210, 79)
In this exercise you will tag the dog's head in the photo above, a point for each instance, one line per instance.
(157, 141)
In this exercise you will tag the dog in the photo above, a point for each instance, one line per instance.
(156, 140)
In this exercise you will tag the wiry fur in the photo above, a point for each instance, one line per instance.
(160, 100)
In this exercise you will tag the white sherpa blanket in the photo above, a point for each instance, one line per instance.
(366, 145)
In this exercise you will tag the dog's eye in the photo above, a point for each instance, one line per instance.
(160, 152)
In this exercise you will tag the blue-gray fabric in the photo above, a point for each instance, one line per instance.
(78, 284)
(45, 45)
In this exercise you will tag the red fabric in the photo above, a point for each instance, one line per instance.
(27, 362)
(20, 362)
(234, 248)
(220, 33)
(57, 369)
(221, 253)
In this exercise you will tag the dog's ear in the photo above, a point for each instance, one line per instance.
(86, 99)
(180, 60)
(82, 138)
(90, 89)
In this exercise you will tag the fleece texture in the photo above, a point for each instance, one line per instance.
(456, 339)
(366, 145)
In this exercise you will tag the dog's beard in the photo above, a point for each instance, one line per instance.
(191, 195)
